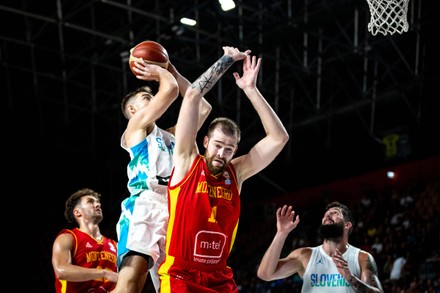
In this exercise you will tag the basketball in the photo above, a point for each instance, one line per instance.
(152, 52)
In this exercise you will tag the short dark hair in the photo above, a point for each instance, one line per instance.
(72, 201)
(346, 212)
(143, 89)
(226, 125)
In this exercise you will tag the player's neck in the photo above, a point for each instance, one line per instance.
(92, 230)
(330, 245)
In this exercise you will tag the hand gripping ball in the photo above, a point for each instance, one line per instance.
(152, 52)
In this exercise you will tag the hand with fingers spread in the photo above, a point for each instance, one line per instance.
(251, 67)
(285, 219)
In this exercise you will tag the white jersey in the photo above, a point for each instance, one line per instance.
(321, 274)
(143, 221)
(151, 162)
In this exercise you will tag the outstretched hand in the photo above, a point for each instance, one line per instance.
(285, 219)
(251, 67)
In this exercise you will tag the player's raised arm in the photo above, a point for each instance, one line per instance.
(187, 126)
(266, 150)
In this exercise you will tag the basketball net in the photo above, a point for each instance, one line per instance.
(388, 16)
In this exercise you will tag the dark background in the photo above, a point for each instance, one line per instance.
(338, 89)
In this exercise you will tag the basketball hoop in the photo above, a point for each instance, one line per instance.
(388, 16)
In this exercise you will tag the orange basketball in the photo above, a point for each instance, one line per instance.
(152, 52)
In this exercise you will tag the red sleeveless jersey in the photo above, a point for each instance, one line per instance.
(204, 214)
(89, 253)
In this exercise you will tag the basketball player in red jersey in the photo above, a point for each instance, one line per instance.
(204, 191)
(83, 259)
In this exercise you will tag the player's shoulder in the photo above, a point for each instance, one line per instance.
(171, 130)
(301, 252)
(301, 257)
(365, 257)
(364, 254)
(66, 231)
(111, 240)
(65, 236)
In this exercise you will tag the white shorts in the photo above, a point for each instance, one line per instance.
(142, 226)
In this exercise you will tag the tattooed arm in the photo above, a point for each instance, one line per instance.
(186, 127)
(369, 279)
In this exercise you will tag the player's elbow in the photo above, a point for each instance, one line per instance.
(205, 109)
(60, 272)
(263, 275)
(169, 88)
(173, 90)
(192, 95)
(280, 140)
(284, 138)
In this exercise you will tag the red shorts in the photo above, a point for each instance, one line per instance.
(184, 280)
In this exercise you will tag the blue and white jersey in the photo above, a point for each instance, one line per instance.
(321, 274)
(151, 162)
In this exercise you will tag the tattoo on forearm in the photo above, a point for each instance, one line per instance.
(204, 83)
(354, 283)
(371, 283)
(207, 80)
(373, 273)
(222, 64)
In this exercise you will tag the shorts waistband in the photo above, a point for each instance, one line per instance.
(162, 198)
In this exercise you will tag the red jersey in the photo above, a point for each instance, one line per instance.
(204, 213)
(89, 253)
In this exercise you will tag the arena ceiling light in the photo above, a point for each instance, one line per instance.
(227, 4)
(188, 21)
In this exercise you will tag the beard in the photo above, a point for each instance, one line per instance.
(335, 230)
(215, 170)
